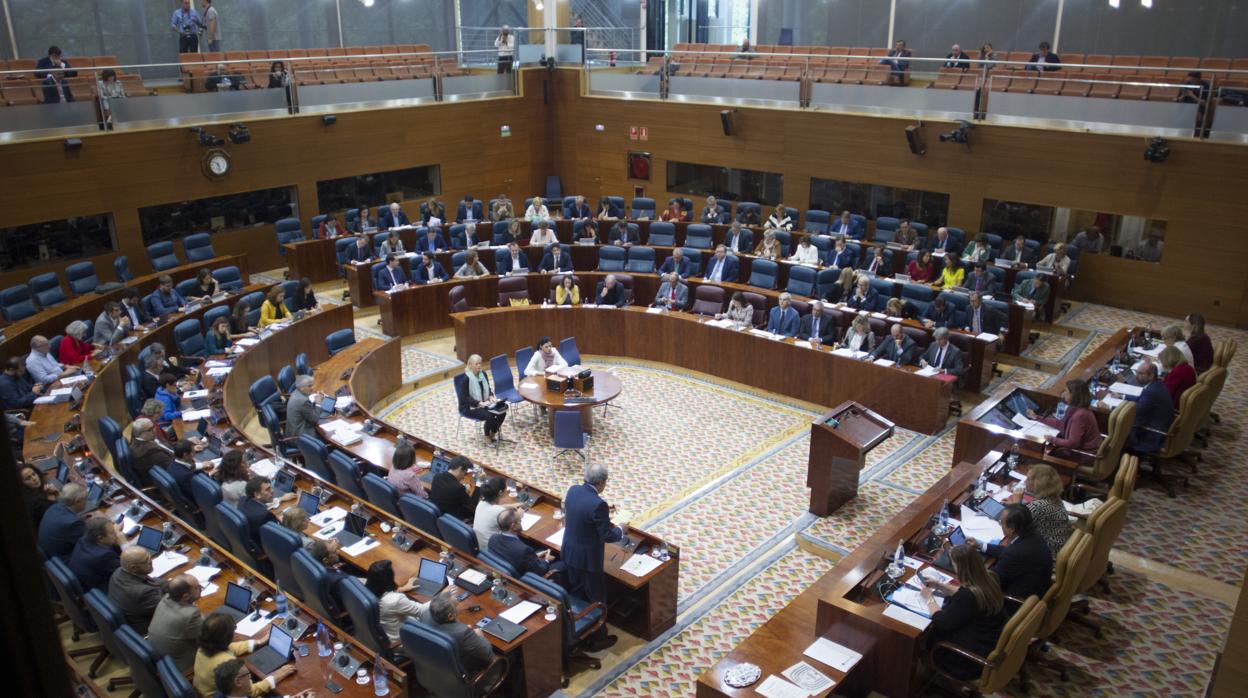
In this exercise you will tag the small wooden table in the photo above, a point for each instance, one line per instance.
(606, 388)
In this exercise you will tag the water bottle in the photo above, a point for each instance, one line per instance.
(280, 599)
(499, 591)
(380, 685)
(324, 647)
(1012, 462)
(445, 558)
(944, 517)
(981, 487)
(205, 557)
(168, 533)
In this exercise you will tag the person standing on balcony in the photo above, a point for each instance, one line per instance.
(506, 45)
(213, 32)
(188, 24)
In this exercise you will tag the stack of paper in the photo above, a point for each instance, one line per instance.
(908, 617)
(364, 545)
(1126, 389)
(929, 371)
(196, 415)
(776, 687)
(724, 323)
(218, 372)
(527, 521)
(640, 565)
(654, 310)
(248, 341)
(166, 562)
(913, 599)
(837, 656)
(884, 362)
(80, 378)
(264, 468)
(556, 538)
(328, 516)
(516, 614)
(976, 525)
(204, 573)
(343, 402)
(987, 336)
(250, 625)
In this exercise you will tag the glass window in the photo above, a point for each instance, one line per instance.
(380, 187)
(725, 183)
(216, 214)
(1009, 219)
(875, 200)
(40, 243)
(1120, 235)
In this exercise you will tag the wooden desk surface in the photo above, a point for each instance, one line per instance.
(607, 387)
(683, 340)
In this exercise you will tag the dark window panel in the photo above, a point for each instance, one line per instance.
(375, 189)
(52, 241)
(725, 183)
(220, 213)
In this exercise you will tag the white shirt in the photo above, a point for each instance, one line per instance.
(537, 365)
(805, 254)
(855, 340)
(537, 214)
(485, 521)
(43, 368)
(506, 47)
(394, 608)
(538, 239)
(716, 270)
(1050, 261)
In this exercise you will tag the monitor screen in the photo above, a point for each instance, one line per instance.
(150, 538)
(991, 508)
(327, 404)
(237, 597)
(280, 641)
(1019, 402)
(309, 503)
(356, 524)
(957, 537)
(432, 570)
(439, 465)
(62, 473)
(284, 481)
(998, 418)
(94, 495)
(202, 427)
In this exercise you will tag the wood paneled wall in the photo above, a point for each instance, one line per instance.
(1199, 191)
(123, 172)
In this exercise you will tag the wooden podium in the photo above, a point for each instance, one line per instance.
(839, 441)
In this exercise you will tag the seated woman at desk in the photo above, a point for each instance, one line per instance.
(1048, 514)
(238, 320)
(1076, 429)
(858, 336)
(218, 341)
(394, 605)
(232, 475)
(740, 311)
(953, 274)
(779, 219)
(1179, 373)
(304, 298)
(273, 310)
(805, 253)
(471, 267)
(404, 474)
(921, 269)
(843, 288)
(74, 347)
(972, 617)
(769, 247)
(567, 293)
(205, 286)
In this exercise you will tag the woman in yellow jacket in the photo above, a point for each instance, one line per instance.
(566, 293)
(953, 274)
(216, 649)
(274, 309)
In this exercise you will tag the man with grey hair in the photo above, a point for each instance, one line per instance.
(673, 294)
(42, 366)
(473, 649)
(587, 529)
(174, 630)
(301, 414)
(943, 356)
(145, 452)
(133, 590)
(97, 554)
(898, 348)
(505, 42)
(784, 319)
(610, 292)
(62, 524)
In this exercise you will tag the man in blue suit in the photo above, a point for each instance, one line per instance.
(52, 71)
(844, 225)
(556, 260)
(673, 294)
(578, 210)
(587, 528)
(864, 297)
(898, 347)
(1154, 411)
(507, 545)
(393, 217)
(818, 325)
(361, 251)
(468, 210)
(390, 276)
(432, 241)
(429, 270)
(515, 261)
(784, 319)
(840, 256)
(254, 506)
(678, 263)
(97, 554)
(738, 239)
(62, 524)
(722, 267)
(166, 300)
(980, 280)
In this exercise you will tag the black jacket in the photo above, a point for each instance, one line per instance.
(1025, 566)
(451, 497)
(961, 622)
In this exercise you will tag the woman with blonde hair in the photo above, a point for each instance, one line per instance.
(471, 266)
(779, 219)
(843, 288)
(1048, 514)
(769, 247)
(1179, 373)
(858, 335)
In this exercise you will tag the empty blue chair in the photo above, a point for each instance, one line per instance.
(785, 239)
(273, 423)
(381, 494)
(161, 256)
(189, 337)
(457, 261)
(262, 391)
(437, 667)
(339, 340)
(238, 538)
(763, 273)
(883, 236)
(17, 303)
(315, 456)
(346, 473)
(47, 290)
(640, 260)
(315, 223)
(69, 591)
(279, 543)
(802, 280)
(698, 236)
(748, 206)
(643, 207)
(287, 230)
(569, 351)
(498, 564)
(81, 278)
(365, 613)
(824, 244)
(198, 247)
(313, 584)
(459, 534)
(125, 464)
(121, 267)
(885, 287)
(301, 364)
(458, 236)
(612, 258)
(286, 379)
(818, 221)
(187, 286)
(504, 381)
(172, 492)
(132, 392)
(254, 300)
(662, 234)
(107, 617)
(523, 356)
(887, 223)
(110, 431)
(579, 619)
(959, 235)
(54, 345)
(918, 295)
(207, 495)
(172, 680)
(695, 260)
(141, 658)
(959, 302)
(499, 232)
(421, 513)
(569, 436)
(228, 278)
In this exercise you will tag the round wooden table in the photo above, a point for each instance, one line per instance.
(606, 388)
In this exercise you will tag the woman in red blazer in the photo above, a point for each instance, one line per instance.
(1077, 429)
(1179, 374)
(920, 269)
(74, 347)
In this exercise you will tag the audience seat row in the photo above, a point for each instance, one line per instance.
(335, 65)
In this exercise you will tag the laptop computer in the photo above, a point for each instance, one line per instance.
(237, 601)
(439, 464)
(62, 473)
(431, 577)
(213, 449)
(267, 659)
(353, 532)
(504, 629)
(150, 538)
(94, 495)
(310, 503)
(284, 483)
(943, 561)
(990, 507)
(326, 406)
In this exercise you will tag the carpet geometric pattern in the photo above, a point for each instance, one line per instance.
(418, 363)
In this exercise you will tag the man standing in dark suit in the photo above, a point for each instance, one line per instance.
(587, 529)
(254, 506)
(722, 267)
(1154, 411)
(818, 325)
(507, 545)
(1044, 59)
(898, 348)
(448, 493)
(62, 523)
(980, 318)
(1025, 566)
(943, 355)
(52, 71)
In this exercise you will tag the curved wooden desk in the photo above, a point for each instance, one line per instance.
(683, 340)
(607, 387)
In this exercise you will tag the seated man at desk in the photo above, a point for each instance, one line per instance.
(391, 275)
(1034, 290)
(722, 267)
(1154, 411)
(166, 300)
(610, 292)
(678, 263)
(839, 256)
(843, 225)
(431, 241)
(515, 262)
(546, 356)
(939, 313)
(673, 293)
(556, 260)
(864, 297)
(980, 280)
(906, 235)
(1024, 565)
(43, 368)
(506, 543)
(981, 318)
(17, 390)
(111, 326)
(467, 210)
(429, 270)
(469, 239)
(738, 239)
(621, 234)
(943, 355)
(818, 326)
(711, 214)
(1019, 253)
(942, 242)
(784, 318)
(361, 252)
(898, 348)
(393, 217)
(579, 210)
(475, 652)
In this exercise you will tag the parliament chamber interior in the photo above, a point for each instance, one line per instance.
(611, 348)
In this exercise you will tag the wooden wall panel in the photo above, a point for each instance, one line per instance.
(1199, 191)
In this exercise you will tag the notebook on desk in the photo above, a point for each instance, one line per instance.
(504, 629)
